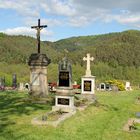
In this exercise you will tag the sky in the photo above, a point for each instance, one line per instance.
(68, 18)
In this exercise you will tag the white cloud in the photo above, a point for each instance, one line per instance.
(78, 22)
(28, 31)
(63, 8)
(128, 20)
(58, 7)
(75, 13)
(24, 8)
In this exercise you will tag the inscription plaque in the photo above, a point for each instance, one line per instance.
(87, 85)
(63, 101)
(64, 79)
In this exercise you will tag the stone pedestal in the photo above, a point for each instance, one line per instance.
(88, 85)
(64, 103)
(38, 75)
(64, 99)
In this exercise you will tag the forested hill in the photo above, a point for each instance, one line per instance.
(17, 49)
(117, 55)
(113, 48)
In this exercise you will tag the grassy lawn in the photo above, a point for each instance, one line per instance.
(104, 122)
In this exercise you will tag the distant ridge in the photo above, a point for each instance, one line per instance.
(121, 48)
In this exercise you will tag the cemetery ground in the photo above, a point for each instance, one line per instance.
(102, 121)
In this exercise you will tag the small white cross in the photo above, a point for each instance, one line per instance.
(88, 59)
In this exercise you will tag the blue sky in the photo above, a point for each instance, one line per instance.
(67, 18)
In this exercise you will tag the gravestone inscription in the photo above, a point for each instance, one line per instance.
(64, 79)
(63, 101)
(87, 85)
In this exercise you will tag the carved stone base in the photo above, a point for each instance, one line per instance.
(88, 85)
(64, 103)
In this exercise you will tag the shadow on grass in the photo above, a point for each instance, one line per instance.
(105, 107)
(12, 104)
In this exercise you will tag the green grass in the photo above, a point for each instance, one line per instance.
(104, 122)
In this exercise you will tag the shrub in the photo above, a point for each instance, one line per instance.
(117, 83)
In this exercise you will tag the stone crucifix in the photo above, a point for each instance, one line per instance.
(38, 28)
(88, 59)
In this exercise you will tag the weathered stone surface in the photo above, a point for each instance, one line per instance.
(128, 126)
(38, 81)
(38, 60)
(36, 121)
(38, 75)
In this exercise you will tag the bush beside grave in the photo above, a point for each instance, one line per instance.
(117, 83)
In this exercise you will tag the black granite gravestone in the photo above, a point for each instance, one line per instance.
(65, 74)
(102, 86)
(64, 99)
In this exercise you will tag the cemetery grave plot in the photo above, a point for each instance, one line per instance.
(52, 116)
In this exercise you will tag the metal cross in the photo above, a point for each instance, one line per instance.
(38, 28)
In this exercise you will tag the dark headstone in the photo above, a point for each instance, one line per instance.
(65, 74)
(14, 81)
(108, 87)
(87, 85)
(63, 101)
(64, 79)
(102, 86)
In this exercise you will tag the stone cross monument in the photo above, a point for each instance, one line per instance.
(38, 68)
(88, 81)
(88, 59)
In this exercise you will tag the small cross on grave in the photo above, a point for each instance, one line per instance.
(38, 28)
(88, 59)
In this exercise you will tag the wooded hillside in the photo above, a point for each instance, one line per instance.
(117, 55)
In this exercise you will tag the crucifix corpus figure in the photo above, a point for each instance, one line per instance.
(38, 28)
(88, 59)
